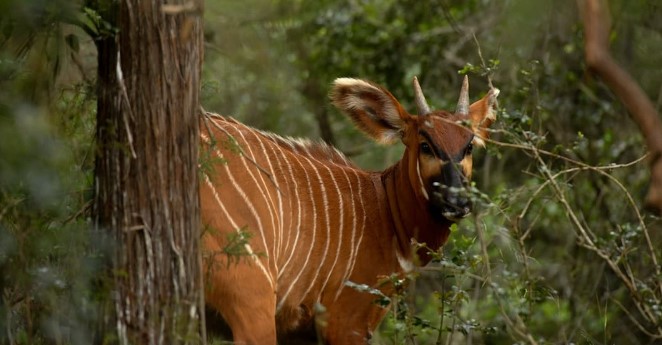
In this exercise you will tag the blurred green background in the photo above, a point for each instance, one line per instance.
(518, 271)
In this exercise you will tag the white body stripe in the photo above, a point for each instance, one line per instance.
(310, 247)
(340, 227)
(248, 248)
(279, 218)
(297, 229)
(363, 224)
(248, 202)
(352, 197)
(328, 229)
(264, 191)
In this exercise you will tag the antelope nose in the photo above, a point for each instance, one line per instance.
(458, 201)
(455, 203)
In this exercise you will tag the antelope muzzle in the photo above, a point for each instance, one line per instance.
(450, 197)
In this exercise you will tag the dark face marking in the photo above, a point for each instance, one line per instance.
(445, 164)
(430, 147)
(435, 150)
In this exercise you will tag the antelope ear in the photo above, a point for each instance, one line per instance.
(482, 114)
(373, 109)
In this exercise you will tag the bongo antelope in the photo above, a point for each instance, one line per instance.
(317, 221)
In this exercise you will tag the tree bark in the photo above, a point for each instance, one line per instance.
(146, 175)
(642, 111)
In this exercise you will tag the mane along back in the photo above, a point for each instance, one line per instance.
(319, 151)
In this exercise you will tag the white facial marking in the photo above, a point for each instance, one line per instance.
(406, 264)
(491, 112)
(420, 180)
(478, 141)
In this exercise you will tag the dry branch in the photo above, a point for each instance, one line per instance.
(642, 111)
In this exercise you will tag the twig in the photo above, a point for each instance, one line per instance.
(636, 322)
(601, 170)
(80, 211)
(531, 148)
(449, 18)
(519, 321)
(593, 168)
(9, 205)
(588, 241)
(8, 319)
(482, 61)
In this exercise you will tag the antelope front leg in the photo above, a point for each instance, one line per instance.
(352, 318)
(248, 306)
(244, 297)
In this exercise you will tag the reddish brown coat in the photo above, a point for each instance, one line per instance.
(317, 221)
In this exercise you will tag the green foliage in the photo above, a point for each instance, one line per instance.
(48, 267)
(209, 159)
(235, 247)
(49, 257)
(232, 251)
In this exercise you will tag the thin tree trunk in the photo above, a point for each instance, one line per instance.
(642, 111)
(146, 168)
(312, 93)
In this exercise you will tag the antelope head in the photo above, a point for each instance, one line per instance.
(439, 144)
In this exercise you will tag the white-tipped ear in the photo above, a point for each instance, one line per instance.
(372, 108)
(482, 114)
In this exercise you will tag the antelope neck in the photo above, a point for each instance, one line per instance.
(410, 215)
(403, 207)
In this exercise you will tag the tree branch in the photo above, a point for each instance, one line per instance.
(640, 107)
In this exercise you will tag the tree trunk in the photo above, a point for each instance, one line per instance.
(146, 167)
(313, 94)
(598, 59)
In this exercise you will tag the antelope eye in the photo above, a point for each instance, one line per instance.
(425, 149)
(469, 149)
